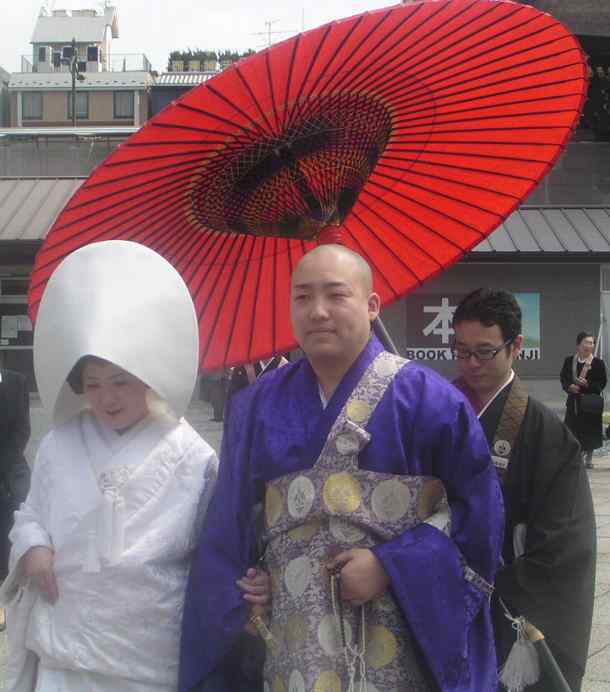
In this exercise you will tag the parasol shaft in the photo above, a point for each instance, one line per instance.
(382, 334)
(548, 664)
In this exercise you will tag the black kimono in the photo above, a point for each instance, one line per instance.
(14, 471)
(586, 427)
(552, 583)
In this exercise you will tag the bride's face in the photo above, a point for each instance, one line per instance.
(117, 398)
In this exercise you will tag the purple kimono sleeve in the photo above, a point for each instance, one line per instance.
(214, 609)
(442, 582)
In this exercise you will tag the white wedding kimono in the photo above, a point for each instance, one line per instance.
(120, 513)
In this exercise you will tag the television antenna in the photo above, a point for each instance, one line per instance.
(46, 9)
(269, 33)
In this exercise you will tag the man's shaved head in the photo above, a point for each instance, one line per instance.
(345, 257)
(332, 306)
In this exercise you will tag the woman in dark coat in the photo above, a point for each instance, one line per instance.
(582, 374)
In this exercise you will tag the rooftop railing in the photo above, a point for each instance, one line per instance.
(116, 62)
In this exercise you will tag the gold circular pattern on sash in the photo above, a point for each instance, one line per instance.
(429, 498)
(381, 646)
(296, 683)
(390, 500)
(295, 631)
(342, 493)
(297, 575)
(328, 681)
(358, 410)
(345, 532)
(273, 505)
(301, 494)
(278, 685)
(347, 444)
(386, 366)
(278, 634)
(329, 635)
(305, 532)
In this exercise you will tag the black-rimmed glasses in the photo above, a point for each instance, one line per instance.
(479, 353)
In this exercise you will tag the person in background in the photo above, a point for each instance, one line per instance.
(14, 471)
(218, 383)
(583, 378)
(549, 549)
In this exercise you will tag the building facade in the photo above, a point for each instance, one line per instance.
(553, 253)
(72, 61)
(4, 98)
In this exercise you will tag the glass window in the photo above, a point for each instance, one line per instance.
(123, 104)
(82, 105)
(31, 105)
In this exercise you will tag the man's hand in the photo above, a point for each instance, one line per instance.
(582, 381)
(256, 586)
(37, 565)
(574, 388)
(363, 577)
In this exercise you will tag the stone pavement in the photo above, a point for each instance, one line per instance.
(597, 677)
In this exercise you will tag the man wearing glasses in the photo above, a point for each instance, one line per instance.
(549, 546)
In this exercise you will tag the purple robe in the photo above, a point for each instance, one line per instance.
(422, 426)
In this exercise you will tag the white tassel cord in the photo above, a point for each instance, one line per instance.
(118, 530)
(522, 667)
(107, 524)
(113, 527)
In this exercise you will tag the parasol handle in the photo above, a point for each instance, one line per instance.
(382, 334)
(547, 660)
(331, 235)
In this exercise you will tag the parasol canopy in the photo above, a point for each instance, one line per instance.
(407, 133)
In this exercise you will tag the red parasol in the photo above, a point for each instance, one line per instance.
(408, 133)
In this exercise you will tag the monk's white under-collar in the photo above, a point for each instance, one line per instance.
(323, 399)
(502, 387)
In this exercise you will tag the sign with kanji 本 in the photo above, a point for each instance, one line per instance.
(430, 332)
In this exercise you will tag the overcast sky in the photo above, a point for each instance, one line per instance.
(157, 27)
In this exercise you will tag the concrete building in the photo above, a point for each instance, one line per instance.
(188, 69)
(110, 89)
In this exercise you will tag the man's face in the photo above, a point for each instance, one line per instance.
(586, 346)
(484, 376)
(331, 308)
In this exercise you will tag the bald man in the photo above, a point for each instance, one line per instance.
(383, 515)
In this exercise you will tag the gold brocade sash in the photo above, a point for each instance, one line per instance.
(311, 515)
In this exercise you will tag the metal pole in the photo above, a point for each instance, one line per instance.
(382, 334)
(73, 70)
